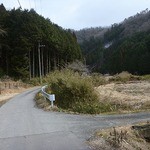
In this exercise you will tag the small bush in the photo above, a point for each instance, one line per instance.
(116, 138)
(76, 93)
(78, 66)
(73, 92)
(146, 77)
(124, 77)
(41, 102)
(34, 81)
(98, 80)
(1, 73)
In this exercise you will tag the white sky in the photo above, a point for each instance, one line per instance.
(78, 14)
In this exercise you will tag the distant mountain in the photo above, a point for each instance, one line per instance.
(123, 46)
(137, 23)
(87, 33)
(134, 24)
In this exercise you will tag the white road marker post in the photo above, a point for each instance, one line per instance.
(52, 99)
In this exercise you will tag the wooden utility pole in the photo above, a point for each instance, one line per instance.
(42, 64)
(39, 53)
(29, 65)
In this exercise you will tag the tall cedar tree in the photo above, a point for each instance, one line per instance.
(26, 32)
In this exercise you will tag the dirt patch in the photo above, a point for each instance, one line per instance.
(131, 95)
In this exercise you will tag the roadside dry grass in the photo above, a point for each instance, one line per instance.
(121, 93)
(120, 138)
(7, 94)
(115, 98)
(128, 96)
(124, 77)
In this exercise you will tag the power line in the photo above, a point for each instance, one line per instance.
(19, 4)
(35, 5)
(41, 6)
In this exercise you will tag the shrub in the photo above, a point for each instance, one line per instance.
(145, 77)
(78, 66)
(1, 73)
(73, 92)
(40, 101)
(124, 77)
(34, 81)
(98, 79)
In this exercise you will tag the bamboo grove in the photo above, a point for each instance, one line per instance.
(28, 37)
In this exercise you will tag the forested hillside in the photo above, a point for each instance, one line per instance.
(26, 36)
(87, 33)
(123, 47)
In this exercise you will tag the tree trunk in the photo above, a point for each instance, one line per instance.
(49, 63)
(42, 63)
(33, 63)
(39, 54)
(7, 64)
(55, 65)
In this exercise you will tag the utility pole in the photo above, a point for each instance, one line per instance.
(39, 53)
(29, 65)
(42, 63)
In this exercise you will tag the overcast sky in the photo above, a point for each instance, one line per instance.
(78, 14)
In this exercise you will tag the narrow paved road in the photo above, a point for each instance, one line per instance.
(25, 127)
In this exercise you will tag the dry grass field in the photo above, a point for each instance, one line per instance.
(126, 96)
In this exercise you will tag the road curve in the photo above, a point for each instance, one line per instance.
(25, 127)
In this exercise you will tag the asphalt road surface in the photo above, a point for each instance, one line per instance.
(25, 127)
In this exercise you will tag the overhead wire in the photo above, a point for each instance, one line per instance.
(35, 5)
(19, 4)
(41, 6)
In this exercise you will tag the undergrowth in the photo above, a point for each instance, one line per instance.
(74, 92)
(128, 137)
(146, 77)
